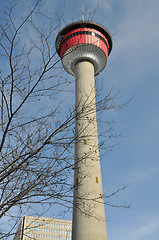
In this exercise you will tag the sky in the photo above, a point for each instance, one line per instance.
(132, 70)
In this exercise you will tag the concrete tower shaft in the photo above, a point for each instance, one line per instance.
(88, 215)
(84, 48)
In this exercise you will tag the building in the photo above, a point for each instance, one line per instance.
(39, 228)
(84, 48)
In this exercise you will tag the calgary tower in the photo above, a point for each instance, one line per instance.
(84, 48)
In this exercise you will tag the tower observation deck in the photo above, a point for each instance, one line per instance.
(84, 48)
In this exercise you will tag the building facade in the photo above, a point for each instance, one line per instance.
(39, 228)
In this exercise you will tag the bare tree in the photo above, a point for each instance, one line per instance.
(36, 130)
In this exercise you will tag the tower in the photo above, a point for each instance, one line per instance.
(84, 48)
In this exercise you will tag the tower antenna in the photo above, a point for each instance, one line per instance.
(82, 13)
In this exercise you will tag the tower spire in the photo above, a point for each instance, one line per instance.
(82, 13)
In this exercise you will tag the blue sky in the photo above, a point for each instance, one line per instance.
(133, 70)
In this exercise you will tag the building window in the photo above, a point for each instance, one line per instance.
(96, 179)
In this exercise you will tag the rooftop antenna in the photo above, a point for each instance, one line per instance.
(82, 13)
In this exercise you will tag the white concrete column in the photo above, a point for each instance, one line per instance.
(88, 214)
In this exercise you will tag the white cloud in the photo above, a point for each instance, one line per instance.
(141, 229)
(138, 30)
(144, 173)
(147, 229)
